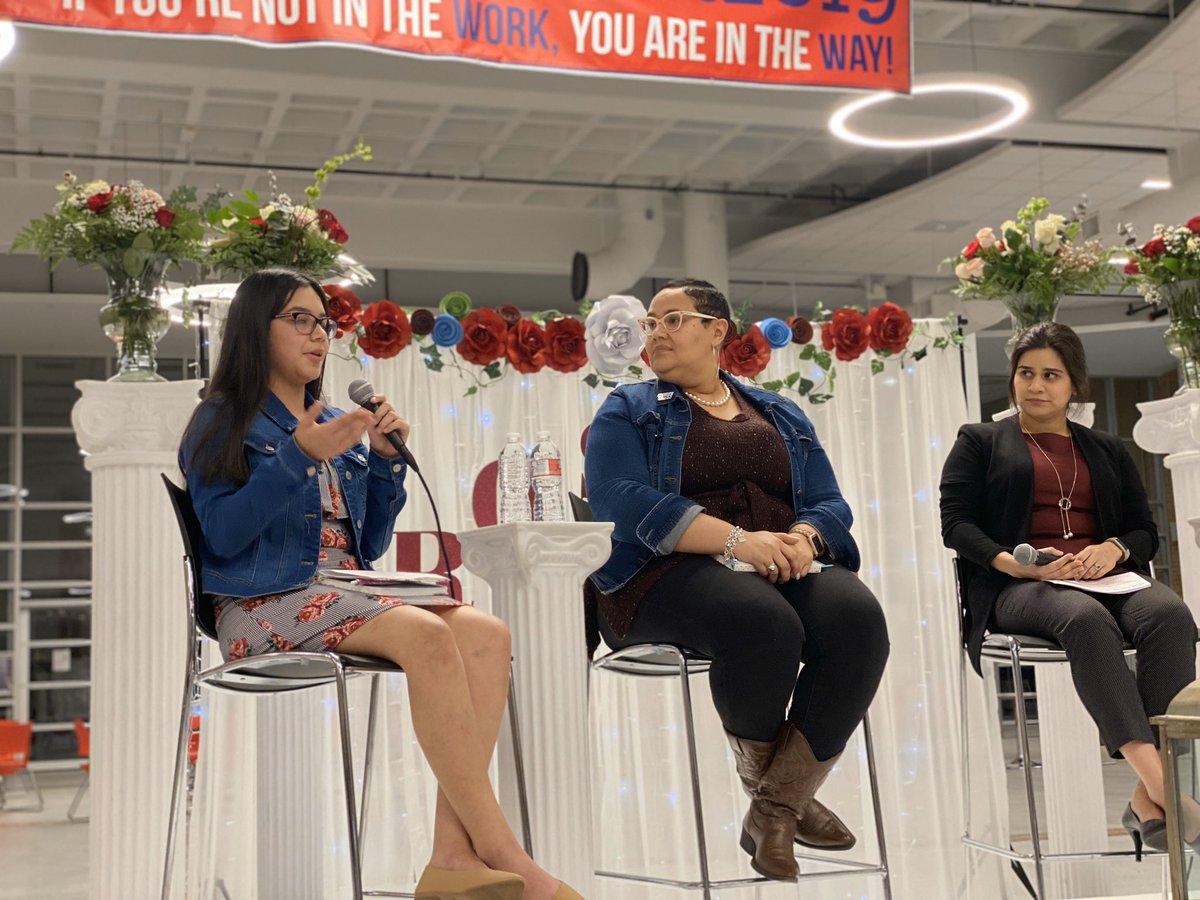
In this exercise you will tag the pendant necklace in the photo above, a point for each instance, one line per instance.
(1064, 498)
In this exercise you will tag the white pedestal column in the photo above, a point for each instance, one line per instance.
(705, 238)
(1172, 426)
(131, 433)
(536, 572)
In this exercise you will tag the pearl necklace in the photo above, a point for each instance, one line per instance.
(712, 403)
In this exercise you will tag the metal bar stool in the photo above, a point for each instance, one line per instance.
(669, 661)
(274, 673)
(1017, 650)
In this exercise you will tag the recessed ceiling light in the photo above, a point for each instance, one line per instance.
(1156, 184)
(8, 37)
(1011, 92)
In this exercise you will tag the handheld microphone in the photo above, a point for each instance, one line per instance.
(361, 393)
(1026, 555)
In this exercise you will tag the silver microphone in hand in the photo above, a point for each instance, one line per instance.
(361, 393)
(1027, 555)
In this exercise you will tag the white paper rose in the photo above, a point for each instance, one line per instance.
(614, 340)
(986, 238)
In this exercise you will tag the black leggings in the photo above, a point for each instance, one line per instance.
(758, 634)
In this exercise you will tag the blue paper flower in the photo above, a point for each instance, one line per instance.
(447, 331)
(776, 332)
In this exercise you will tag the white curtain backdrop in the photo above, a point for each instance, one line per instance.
(887, 436)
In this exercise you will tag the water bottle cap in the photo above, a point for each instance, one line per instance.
(513, 438)
(543, 435)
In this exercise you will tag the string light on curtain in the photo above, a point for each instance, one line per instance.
(1010, 92)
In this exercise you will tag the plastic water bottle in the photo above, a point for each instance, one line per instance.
(545, 470)
(512, 488)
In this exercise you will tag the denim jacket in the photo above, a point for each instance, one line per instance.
(263, 537)
(633, 466)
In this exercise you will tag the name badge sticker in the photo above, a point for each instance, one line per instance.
(665, 395)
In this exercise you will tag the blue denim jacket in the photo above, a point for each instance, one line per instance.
(263, 537)
(634, 461)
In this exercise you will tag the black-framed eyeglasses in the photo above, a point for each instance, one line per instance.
(306, 323)
(671, 322)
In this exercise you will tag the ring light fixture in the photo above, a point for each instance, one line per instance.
(1011, 92)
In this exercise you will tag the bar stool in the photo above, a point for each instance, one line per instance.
(669, 661)
(278, 672)
(1016, 650)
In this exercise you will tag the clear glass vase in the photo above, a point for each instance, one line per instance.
(1182, 336)
(135, 320)
(1026, 310)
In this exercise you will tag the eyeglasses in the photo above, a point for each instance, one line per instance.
(307, 323)
(671, 322)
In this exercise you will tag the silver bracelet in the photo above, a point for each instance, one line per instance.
(735, 537)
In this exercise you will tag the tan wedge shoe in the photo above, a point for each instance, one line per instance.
(566, 892)
(469, 884)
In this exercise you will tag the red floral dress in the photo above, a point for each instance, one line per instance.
(314, 617)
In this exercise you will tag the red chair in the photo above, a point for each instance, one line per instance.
(15, 741)
(83, 737)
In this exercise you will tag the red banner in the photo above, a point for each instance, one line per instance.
(803, 43)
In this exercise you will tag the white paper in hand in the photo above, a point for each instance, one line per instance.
(1121, 583)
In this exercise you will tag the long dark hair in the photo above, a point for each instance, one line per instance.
(1063, 341)
(707, 298)
(239, 384)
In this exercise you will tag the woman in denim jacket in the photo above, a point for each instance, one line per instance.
(283, 487)
(701, 473)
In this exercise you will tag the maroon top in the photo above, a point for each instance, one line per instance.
(1046, 523)
(739, 471)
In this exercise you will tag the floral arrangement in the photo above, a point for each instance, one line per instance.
(1034, 261)
(1171, 256)
(128, 230)
(249, 235)
(609, 341)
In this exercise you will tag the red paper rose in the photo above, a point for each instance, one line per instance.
(1154, 247)
(1193, 224)
(485, 337)
(345, 307)
(565, 345)
(422, 322)
(527, 346)
(971, 250)
(258, 220)
(746, 355)
(331, 226)
(847, 333)
(890, 327)
(802, 330)
(1132, 268)
(386, 329)
(164, 217)
(509, 314)
(97, 203)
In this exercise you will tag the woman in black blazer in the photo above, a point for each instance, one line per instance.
(1075, 494)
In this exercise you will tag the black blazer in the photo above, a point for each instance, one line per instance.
(987, 504)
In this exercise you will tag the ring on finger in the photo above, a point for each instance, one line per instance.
(772, 568)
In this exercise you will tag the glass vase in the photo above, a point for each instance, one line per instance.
(135, 319)
(1182, 336)
(1027, 310)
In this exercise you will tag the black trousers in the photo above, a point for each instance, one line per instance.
(758, 635)
(1093, 629)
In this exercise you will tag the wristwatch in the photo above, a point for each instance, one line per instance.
(819, 547)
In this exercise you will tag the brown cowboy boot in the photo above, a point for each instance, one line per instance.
(768, 829)
(816, 825)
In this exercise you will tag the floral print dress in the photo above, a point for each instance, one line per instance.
(317, 616)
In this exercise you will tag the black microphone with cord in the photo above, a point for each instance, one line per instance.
(1027, 555)
(361, 392)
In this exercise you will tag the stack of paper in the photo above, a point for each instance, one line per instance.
(417, 588)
